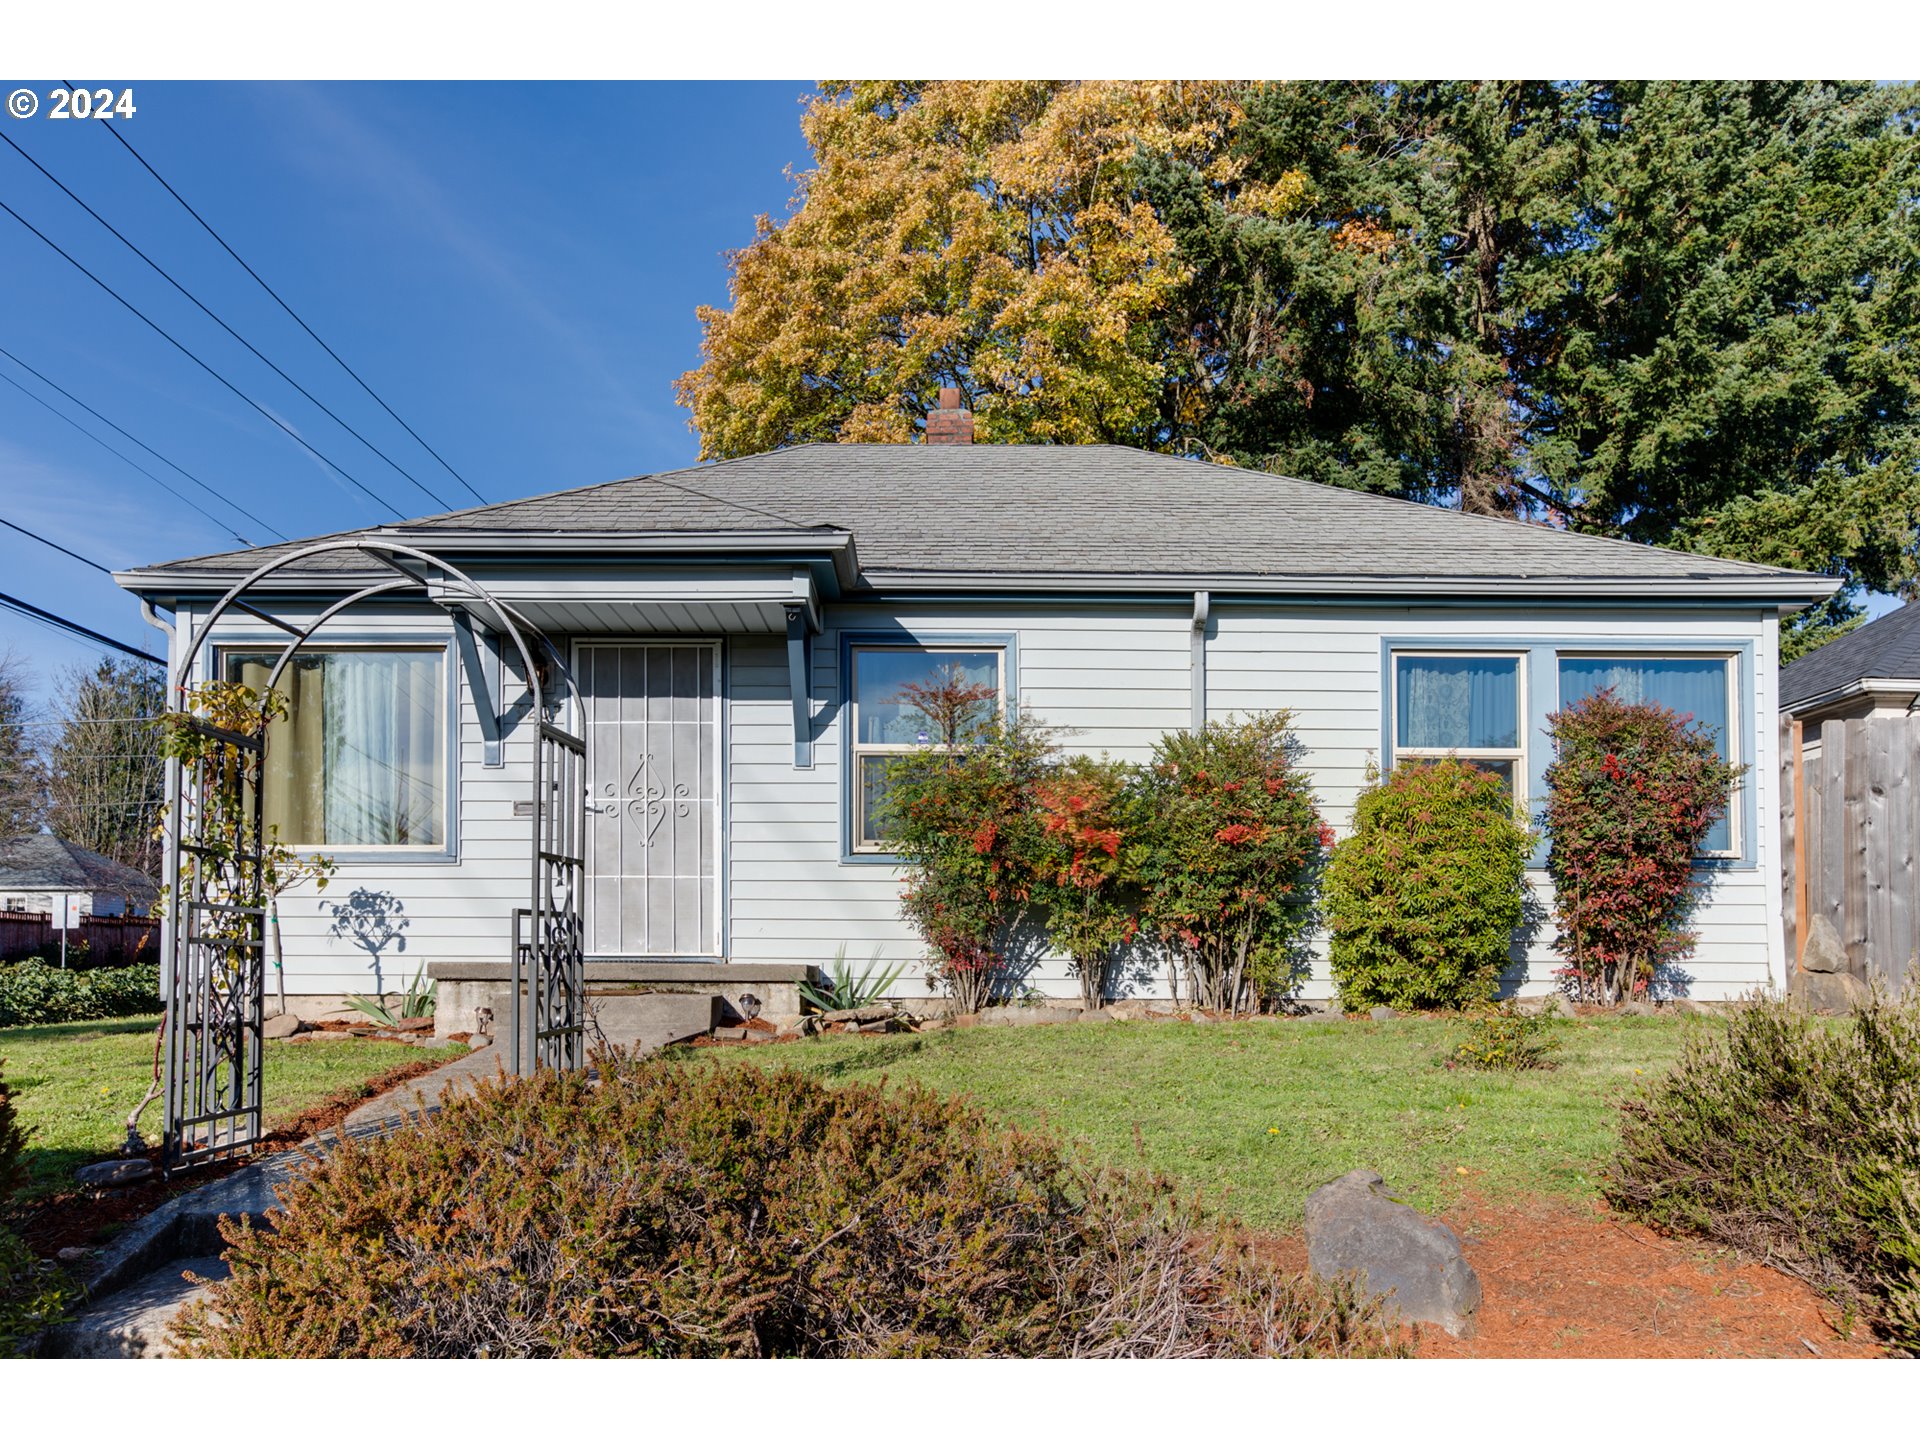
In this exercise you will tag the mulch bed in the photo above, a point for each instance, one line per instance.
(79, 1217)
(1563, 1281)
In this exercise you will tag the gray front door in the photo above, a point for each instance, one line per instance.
(653, 798)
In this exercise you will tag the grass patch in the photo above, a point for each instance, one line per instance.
(73, 1085)
(1254, 1115)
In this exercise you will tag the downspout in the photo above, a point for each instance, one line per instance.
(1198, 663)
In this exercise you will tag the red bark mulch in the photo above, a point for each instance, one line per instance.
(1563, 1281)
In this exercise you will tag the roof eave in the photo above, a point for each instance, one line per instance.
(836, 546)
(1788, 590)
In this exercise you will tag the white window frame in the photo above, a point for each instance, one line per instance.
(1730, 668)
(226, 650)
(860, 752)
(1517, 755)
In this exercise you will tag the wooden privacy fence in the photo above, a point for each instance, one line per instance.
(110, 939)
(1850, 815)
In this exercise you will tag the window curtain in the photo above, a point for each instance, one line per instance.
(359, 758)
(384, 732)
(292, 791)
(1470, 702)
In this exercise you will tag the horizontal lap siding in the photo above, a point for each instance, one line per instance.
(1112, 679)
(1325, 666)
(1115, 678)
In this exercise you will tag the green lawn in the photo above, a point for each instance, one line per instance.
(1254, 1115)
(74, 1084)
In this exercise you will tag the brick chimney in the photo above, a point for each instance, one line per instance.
(950, 423)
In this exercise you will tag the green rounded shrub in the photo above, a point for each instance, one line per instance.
(32, 992)
(693, 1210)
(1423, 898)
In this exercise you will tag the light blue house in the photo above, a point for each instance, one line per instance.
(736, 634)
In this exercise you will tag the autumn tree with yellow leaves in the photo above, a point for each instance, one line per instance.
(986, 235)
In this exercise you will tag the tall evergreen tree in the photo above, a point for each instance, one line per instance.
(22, 793)
(105, 776)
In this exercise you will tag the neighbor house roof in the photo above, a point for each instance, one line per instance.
(1077, 516)
(1883, 649)
(46, 862)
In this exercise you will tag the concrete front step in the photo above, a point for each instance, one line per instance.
(465, 988)
(643, 1021)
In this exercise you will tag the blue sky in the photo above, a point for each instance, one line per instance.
(514, 268)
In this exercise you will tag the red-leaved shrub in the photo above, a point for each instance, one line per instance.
(1631, 793)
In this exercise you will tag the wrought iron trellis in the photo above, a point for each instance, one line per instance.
(217, 963)
(214, 934)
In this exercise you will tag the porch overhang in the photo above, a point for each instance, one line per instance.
(657, 600)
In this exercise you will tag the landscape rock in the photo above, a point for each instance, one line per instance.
(331, 1035)
(1692, 1007)
(1096, 1017)
(860, 1016)
(1561, 1007)
(1825, 954)
(67, 1254)
(1140, 1009)
(107, 1173)
(876, 1027)
(1828, 992)
(1638, 1008)
(730, 1032)
(933, 1023)
(281, 1027)
(417, 1023)
(1355, 1224)
(1380, 1012)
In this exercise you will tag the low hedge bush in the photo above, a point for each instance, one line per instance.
(681, 1209)
(1423, 899)
(32, 992)
(1796, 1142)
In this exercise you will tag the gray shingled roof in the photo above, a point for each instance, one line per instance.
(1883, 649)
(46, 862)
(981, 511)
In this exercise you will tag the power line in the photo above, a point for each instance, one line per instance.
(56, 545)
(128, 146)
(142, 444)
(292, 434)
(47, 617)
(195, 299)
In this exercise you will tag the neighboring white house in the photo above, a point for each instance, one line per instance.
(39, 873)
(737, 633)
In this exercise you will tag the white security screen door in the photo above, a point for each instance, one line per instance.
(653, 798)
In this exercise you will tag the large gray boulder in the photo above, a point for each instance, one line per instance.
(1825, 954)
(1355, 1224)
(1828, 992)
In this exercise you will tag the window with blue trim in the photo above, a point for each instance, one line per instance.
(361, 759)
(1468, 706)
(886, 723)
(1698, 687)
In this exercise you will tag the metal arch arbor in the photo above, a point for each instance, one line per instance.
(217, 865)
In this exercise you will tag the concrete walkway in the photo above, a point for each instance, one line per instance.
(137, 1281)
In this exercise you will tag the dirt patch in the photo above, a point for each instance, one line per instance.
(1564, 1281)
(79, 1217)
